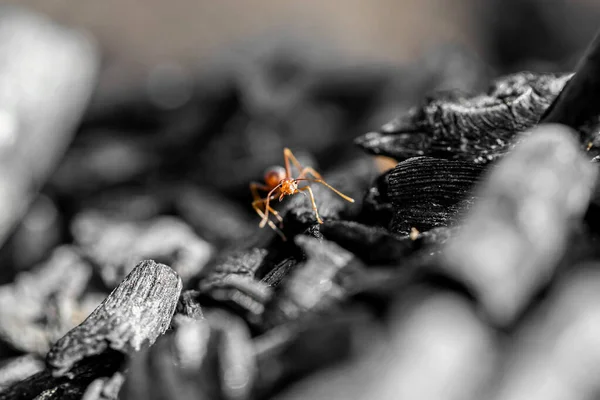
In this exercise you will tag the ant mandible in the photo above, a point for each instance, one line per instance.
(280, 182)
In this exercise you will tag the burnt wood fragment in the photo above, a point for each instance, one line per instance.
(514, 236)
(132, 316)
(476, 129)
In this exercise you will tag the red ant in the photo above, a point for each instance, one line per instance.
(279, 182)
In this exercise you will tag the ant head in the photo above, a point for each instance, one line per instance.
(274, 175)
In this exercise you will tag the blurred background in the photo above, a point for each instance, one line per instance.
(136, 36)
(157, 133)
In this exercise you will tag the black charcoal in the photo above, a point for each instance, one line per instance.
(234, 281)
(516, 234)
(477, 129)
(428, 193)
(318, 286)
(132, 316)
(42, 304)
(115, 245)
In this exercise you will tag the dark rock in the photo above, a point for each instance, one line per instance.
(132, 316)
(514, 237)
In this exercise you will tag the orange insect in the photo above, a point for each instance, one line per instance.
(279, 182)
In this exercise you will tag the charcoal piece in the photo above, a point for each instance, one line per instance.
(44, 385)
(105, 388)
(373, 245)
(18, 369)
(438, 348)
(318, 286)
(131, 317)
(41, 305)
(377, 207)
(475, 129)
(427, 193)
(211, 215)
(556, 351)
(189, 305)
(276, 275)
(579, 101)
(237, 366)
(292, 351)
(234, 281)
(48, 74)
(514, 237)
(377, 246)
(204, 359)
(435, 347)
(115, 245)
(352, 179)
(181, 365)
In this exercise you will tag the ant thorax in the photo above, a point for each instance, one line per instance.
(288, 186)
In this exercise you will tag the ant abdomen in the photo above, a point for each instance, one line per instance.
(274, 175)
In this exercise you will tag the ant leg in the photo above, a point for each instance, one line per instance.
(267, 208)
(287, 155)
(312, 200)
(309, 170)
(262, 215)
(321, 181)
(255, 187)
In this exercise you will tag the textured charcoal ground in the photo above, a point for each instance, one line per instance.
(133, 266)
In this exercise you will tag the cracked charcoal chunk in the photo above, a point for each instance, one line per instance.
(115, 245)
(435, 347)
(427, 193)
(237, 364)
(477, 129)
(579, 101)
(41, 305)
(317, 286)
(352, 179)
(234, 281)
(180, 365)
(377, 246)
(47, 75)
(516, 234)
(45, 386)
(132, 316)
(203, 359)
(373, 245)
(293, 351)
(105, 388)
(18, 369)
(554, 355)
(435, 343)
(189, 306)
